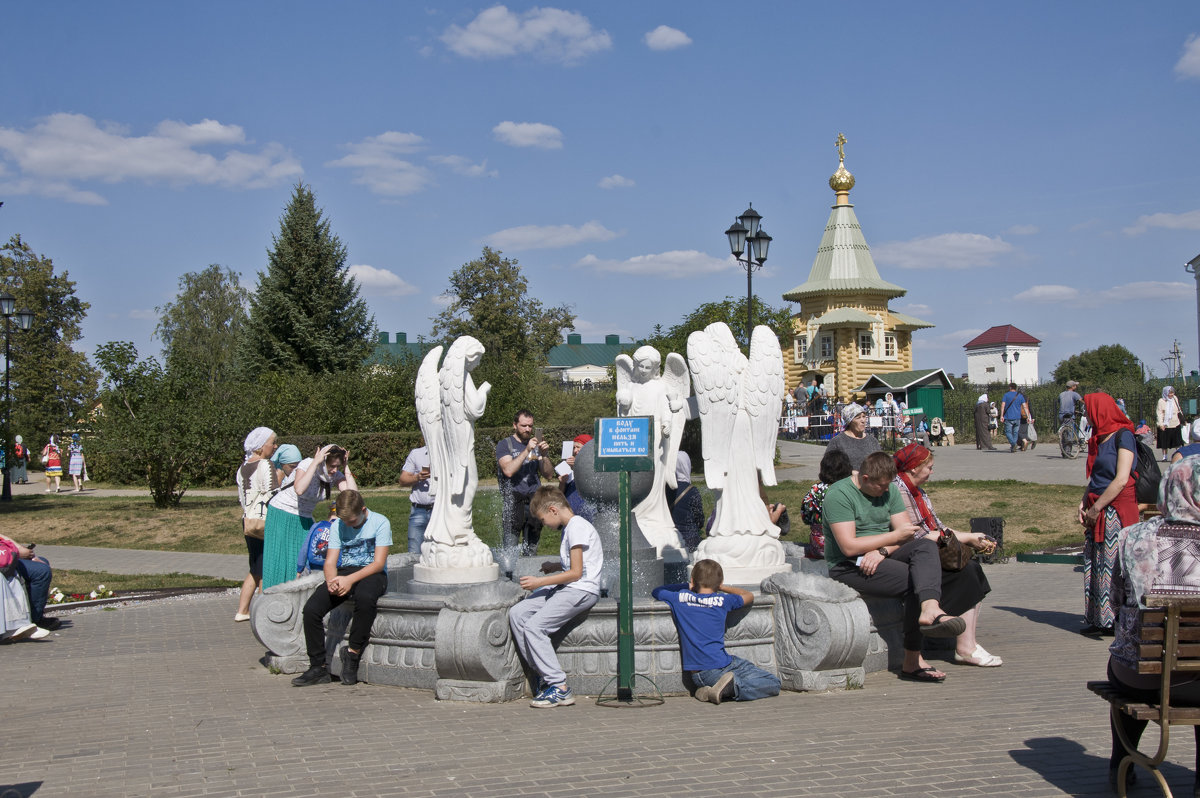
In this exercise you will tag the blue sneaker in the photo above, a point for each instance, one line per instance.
(553, 696)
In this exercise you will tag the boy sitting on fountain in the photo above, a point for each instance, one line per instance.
(699, 615)
(570, 587)
(355, 568)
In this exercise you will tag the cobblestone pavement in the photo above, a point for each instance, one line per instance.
(167, 699)
(140, 561)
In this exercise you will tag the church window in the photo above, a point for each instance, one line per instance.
(827, 347)
(801, 347)
(889, 346)
(866, 344)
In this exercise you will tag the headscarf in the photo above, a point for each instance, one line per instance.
(19, 439)
(257, 439)
(982, 398)
(1179, 491)
(582, 440)
(1106, 418)
(287, 453)
(851, 412)
(906, 460)
(1167, 389)
(683, 467)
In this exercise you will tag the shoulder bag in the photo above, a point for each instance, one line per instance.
(953, 552)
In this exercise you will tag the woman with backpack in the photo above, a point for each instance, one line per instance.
(256, 484)
(1109, 504)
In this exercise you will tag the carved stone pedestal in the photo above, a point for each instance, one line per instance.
(822, 632)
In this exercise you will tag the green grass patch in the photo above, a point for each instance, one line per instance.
(84, 582)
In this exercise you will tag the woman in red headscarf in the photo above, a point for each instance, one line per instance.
(1108, 506)
(965, 588)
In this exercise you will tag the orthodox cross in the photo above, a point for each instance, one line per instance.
(841, 144)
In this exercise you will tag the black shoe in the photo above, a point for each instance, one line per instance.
(50, 624)
(350, 666)
(317, 674)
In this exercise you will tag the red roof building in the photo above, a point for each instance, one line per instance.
(1002, 354)
(1003, 334)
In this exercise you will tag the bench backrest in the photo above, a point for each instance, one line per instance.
(1170, 637)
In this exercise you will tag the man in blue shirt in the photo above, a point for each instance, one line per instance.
(355, 567)
(1013, 408)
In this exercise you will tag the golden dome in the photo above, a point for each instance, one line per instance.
(841, 180)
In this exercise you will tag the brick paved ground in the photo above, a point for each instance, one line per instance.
(167, 699)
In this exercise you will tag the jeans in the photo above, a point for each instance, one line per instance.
(37, 575)
(365, 593)
(749, 680)
(1010, 430)
(418, 519)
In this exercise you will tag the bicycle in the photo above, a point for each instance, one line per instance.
(1070, 437)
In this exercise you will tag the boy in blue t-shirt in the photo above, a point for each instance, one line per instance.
(700, 618)
(355, 567)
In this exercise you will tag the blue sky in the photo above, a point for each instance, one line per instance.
(1020, 163)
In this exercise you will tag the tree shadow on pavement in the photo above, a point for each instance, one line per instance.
(19, 790)
(1067, 621)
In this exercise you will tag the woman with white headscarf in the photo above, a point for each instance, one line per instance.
(983, 435)
(854, 440)
(256, 485)
(1170, 418)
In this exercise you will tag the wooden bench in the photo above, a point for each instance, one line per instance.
(1170, 643)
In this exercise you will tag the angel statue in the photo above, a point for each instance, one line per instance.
(641, 391)
(448, 405)
(738, 401)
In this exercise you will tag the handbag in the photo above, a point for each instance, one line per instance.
(254, 527)
(1032, 433)
(953, 553)
(9, 554)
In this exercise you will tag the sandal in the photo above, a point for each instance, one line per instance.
(980, 658)
(952, 626)
(921, 675)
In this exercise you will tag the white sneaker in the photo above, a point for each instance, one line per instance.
(241, 616)
(40, 634)
(28, 630)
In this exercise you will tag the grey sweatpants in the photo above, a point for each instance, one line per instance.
(539, 615)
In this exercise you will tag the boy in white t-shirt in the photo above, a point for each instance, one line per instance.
(571, 586)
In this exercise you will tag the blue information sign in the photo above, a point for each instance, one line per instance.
(624, 444)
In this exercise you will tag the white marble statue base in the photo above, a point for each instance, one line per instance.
(752, 575)
(467, 575)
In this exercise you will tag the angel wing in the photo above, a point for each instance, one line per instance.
(428, 396)
(762, 396)
(624, 368)
(679, 388)
(455, 425)
(716, 365)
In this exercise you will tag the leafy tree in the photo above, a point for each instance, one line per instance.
(489, 300)
(202, 325)
(168, 426)
(732, 311)
(52, 385)
(1108, 363)
(307, 314)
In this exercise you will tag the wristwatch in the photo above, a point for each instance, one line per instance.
(883, 552)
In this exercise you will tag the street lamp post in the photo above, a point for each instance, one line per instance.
(745, 230)
(1015, 357)
(8, 304)
(1193, 267)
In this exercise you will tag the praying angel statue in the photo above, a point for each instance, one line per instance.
(448, 405)
(739, 401)
(642, 391)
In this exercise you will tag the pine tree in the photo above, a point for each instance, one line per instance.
(307, 313)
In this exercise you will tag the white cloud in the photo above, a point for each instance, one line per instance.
(616, 181)
(532, 236)
(380, 282)
(1048, 293)
(951, 341)
(1188, 65)
(1147, 290)
(914, 309)
(463, 166)
(529, 134)
(549, 34)
(946, 251)
(666, 38)
(1170, 221)
(378, 165)
(676, 263)
(443, 300)
(1023, 229)
(63, 149)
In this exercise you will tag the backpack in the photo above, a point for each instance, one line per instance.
(312, 555)
(1146, 473)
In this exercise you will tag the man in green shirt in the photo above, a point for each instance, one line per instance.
(870, 547)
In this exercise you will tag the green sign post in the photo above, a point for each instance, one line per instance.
(624, 445)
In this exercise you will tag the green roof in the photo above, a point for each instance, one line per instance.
(839, 316)
(567, 356)
(911, 322)
(904, 380)
(843, 262)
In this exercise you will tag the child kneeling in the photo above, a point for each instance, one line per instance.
(355, 567)
(571, 586)
(699, 615)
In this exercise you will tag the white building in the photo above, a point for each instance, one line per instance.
(1003, 354)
